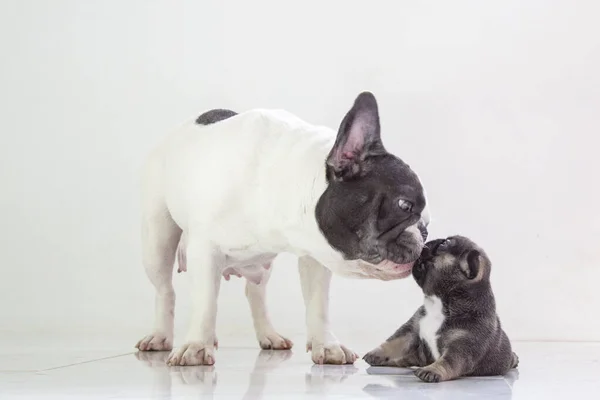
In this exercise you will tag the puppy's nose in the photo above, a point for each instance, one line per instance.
(425, 253)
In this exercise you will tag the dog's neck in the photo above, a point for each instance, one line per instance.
(305, 148)
(306, 179)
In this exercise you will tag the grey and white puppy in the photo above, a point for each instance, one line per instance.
(457, 331)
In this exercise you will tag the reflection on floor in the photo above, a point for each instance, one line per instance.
(547, 370)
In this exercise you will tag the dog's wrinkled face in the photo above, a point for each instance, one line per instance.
(374, 208)
(449, 264)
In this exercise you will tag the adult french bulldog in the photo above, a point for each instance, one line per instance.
(228, 192)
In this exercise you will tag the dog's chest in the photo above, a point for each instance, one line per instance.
(430, 324)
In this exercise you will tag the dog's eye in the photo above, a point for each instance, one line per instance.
(405, 205)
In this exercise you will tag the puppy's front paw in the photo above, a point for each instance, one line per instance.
(428, 375)
(193, 353)
(331, 353)
(377, 357)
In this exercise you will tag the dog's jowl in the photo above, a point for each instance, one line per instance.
(227, 192)
(457, 331)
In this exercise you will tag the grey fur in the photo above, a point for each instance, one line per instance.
(359, 212)
(216, 115)
(471, 340)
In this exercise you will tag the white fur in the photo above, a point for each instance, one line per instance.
(241, 191)
(431, 323)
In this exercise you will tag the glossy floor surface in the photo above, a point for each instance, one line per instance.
(64, 370)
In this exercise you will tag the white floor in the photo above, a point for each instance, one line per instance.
(61, 369)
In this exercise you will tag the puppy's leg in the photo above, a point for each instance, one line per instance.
(515, 361)
(458, 359)
(267, 337)
(401, 349)
(397, 351)
(204, 266)
(326, 349)
(160, 236)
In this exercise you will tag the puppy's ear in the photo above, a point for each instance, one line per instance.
(357, 139)
(472, 265)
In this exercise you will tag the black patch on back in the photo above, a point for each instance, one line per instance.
(216, 115)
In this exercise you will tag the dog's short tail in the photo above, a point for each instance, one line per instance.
(515, 361)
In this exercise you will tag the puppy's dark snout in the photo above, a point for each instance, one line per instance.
(425, 253)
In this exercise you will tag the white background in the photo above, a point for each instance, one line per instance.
(494, 103)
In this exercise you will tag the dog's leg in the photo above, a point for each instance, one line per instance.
(267, 337)
(160, 236)
(325, 348)
(204, 266)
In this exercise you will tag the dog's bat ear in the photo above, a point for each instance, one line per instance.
(358, 138)
(472, 265)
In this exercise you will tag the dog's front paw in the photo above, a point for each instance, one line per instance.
(192, 353)
(331, 353)
(155, 342)
(273, 341)
(428, 375)
(377, 357)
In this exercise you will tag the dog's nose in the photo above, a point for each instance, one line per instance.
(423, 230)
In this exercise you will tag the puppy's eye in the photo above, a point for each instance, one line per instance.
(405, 205)
(444, 244)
